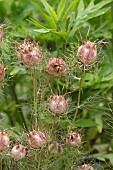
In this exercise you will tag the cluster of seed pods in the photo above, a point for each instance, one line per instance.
(30, 56)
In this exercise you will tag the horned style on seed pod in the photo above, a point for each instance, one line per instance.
(2, 72)
(36, 139)
(18, 152)
(73, 139)
(85, 167)
(58, 104)
(87, 53)
(4, 140)
(28, 52)
(56, 67)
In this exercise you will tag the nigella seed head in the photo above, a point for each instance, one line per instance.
(85, 167)
(18, 151)
(58, 104)
(56, 67)
(36, 139)
(29, 53)
(87, 53)
(4, 140)
(73, 139)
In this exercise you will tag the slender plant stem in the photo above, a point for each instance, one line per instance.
(79, 96)
(35, 97)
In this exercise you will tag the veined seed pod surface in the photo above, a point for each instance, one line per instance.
(56, 66)
(18, 151)
(29, 53)
(37, 139)
(87, 53)
(73, 139)
(58, 104)
(4, 140)
(86, 167)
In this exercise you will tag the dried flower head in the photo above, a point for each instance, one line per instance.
(18, 152)
(2, 72)
(36, 139)
(55, 147)
(4, 140)
(73, 139)
(85, 167)
(56, 66)
(29, 53)
(87, 53)
(58, 104)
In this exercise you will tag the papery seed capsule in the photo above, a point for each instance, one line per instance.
(2, 72)
(58, 104)
(56, 67)
(18, 152)
(4, 140)
(29, 53)
(36, 139)
(87, 53)
(73, 139)
(85, 167)
(55, 147)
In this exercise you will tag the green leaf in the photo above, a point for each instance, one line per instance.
(36, 23)
(85, 123)
(42, 30)
(61, 7)
(70, 8)
(90, 12)
(98, 120)
(80, 8)
(16, 70)
(49, 9)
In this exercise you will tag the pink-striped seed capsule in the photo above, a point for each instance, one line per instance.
(4, 140)
(29, 53)
(56, 67)
(18, 151)
(87, 53)
(36, 139)
(73, 139)
(58, 104)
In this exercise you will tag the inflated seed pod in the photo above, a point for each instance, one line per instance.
(4, 140)
(29, 53)
(58, 104)
(56, 66)
(73, 139)
(18, 151)
(36, 139)
(87, 53)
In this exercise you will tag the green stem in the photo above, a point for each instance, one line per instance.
(79, 96)
(35, 98)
